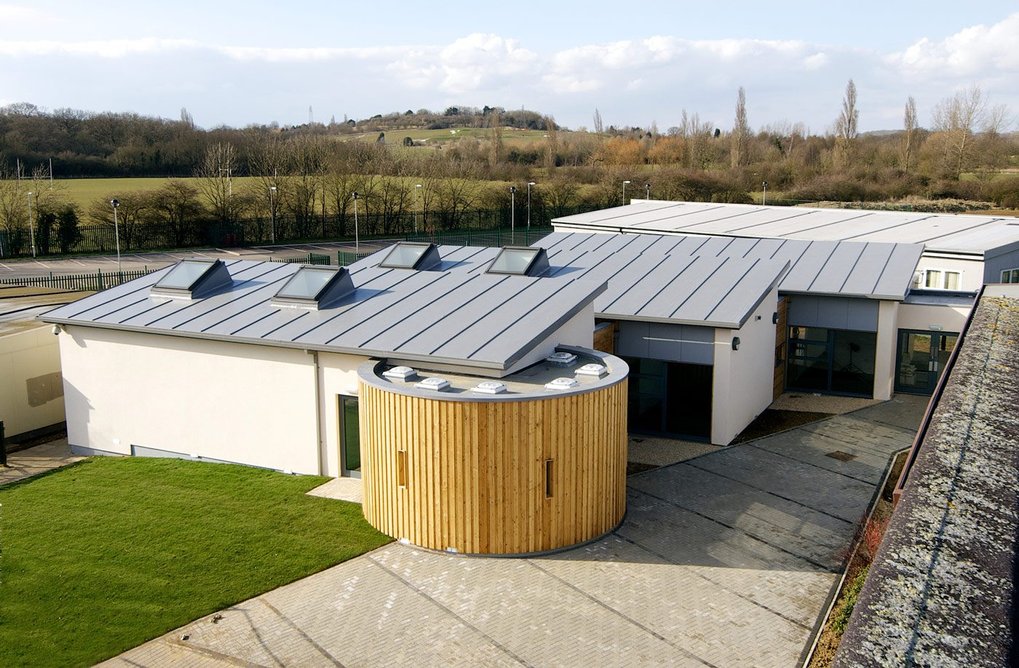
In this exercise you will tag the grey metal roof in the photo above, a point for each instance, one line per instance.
(647, 281)
(967, 234)
(476, 320)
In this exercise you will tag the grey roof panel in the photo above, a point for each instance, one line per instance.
(836, 270)
(961, 233)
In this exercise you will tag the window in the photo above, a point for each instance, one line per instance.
(520, 261)
(407, 255)
(939, 279)
(350, 436)
(314, 287)
(190, 279)
(1010, 276)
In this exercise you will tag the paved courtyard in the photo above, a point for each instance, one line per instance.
(726, 559)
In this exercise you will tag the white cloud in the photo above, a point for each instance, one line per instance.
(116, 48)
(970, 52)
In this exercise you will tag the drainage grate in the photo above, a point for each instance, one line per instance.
(841, 456)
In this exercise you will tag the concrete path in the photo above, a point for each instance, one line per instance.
(727, 559)
(37, 459)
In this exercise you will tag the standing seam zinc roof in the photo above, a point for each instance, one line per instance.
(441, 316)
(967, 234)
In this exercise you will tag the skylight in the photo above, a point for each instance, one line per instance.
(409, 255)
(315, 287)
(520, 261)
(191, 279)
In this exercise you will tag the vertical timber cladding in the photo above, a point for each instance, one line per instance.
(477, 473)
(781, 347)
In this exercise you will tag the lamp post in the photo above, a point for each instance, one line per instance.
(513, 199)
(115, 203)
(647, 190)
(625, 183)
(421, 207)
(272, 211)
(764, 195)
(357, 236)
(31, 223)
(529, 184)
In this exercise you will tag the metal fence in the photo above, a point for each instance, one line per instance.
(86, 282)
(138, 237)
(313, 258)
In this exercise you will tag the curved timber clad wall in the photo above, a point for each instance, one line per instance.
(494, 476)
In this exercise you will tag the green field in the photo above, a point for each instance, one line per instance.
(83, 192)
(512, 137)
(104, 555)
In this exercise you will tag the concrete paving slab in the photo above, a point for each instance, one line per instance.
(726, 559)
(36, 460)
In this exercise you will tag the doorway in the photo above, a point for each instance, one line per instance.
(921, 359)
(350, 437)
(832, 361)
(670, 399)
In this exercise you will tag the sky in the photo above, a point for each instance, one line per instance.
(254, 62)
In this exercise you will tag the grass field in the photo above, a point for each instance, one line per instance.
(512, 137)
(102, 556)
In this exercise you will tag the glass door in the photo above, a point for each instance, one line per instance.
(350, 437)
(922, 357)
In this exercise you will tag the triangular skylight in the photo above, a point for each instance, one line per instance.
(520, 261)
(193, 279)
(315, 287)
(411, 255)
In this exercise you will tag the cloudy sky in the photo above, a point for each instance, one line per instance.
(238, 63)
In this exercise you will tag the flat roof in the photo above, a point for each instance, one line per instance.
(20, 305)
(955, 233)
(680, 288)
(941, 590)
(485, 321)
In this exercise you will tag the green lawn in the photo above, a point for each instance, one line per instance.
(102, 556)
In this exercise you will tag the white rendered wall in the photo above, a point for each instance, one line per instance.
(31, 393)
(972, 271)
(743, 379)
(338, 376)
(225, 401)
(933, 318)
(884, 349)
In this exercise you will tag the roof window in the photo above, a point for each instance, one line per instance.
(410, 255)
(520, 261)
(193, 279)
(315, 287)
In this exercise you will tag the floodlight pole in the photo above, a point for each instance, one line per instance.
(421, 207)
(764, 195)
(115, 203)
(529, 184)
(357, 237)
(625, 183)
(272, 211)
(513, 199)
(31, 223)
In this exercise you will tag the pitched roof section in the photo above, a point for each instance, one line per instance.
(966, 234)
(460, 318)
(823, 268)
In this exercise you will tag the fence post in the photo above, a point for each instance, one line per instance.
(3, 446)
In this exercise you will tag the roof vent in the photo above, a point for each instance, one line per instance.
(400, 373)
(433, 383)
(562, 359)
(489, 387)
(561, 384)
(597, 370)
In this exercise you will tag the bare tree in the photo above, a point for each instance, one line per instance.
(909, 137)
(215, 181)
(846, 130)
(599, 127)
(957, 119)
(739, 149)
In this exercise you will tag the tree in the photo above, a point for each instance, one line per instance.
(739, 150)
(68, 233)
(909, 137)
(215, 181)
(133, 207)
(846, 130)
(957, 119)
(599, 127)
(177, 210)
